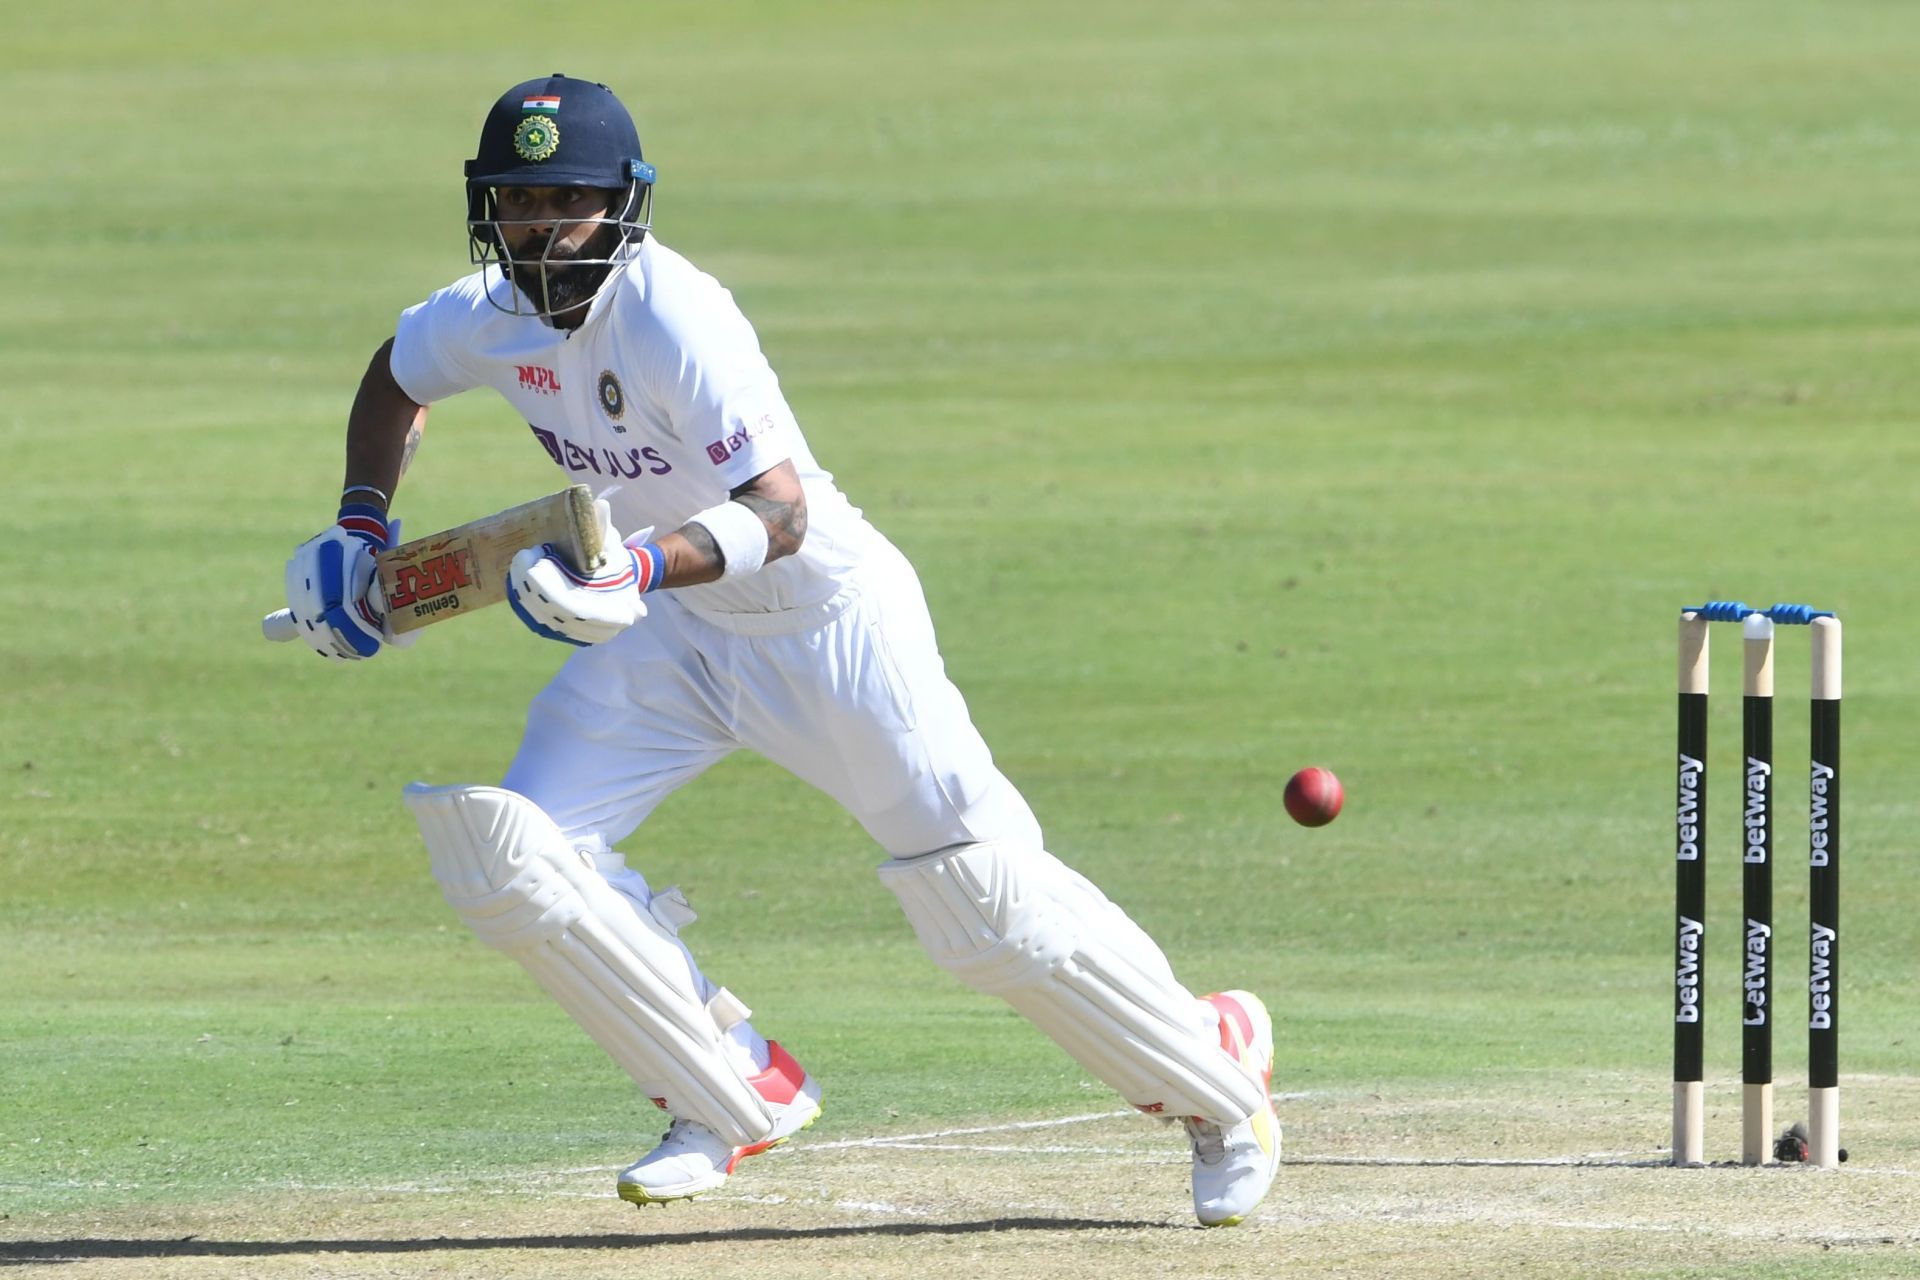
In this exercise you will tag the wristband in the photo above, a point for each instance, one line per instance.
(650, 564)
(740, 533)
(385, 501)
(364, 521)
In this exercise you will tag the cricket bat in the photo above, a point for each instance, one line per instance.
(460, 570)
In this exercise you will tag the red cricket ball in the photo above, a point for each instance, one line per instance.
(1314, 797)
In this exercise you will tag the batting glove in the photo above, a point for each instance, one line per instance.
(333, 586)
(560, 603)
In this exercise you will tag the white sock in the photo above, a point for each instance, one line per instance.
(747, 1048)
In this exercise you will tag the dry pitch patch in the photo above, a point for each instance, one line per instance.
(1374, 1186)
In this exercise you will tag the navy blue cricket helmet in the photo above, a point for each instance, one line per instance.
(558, 132)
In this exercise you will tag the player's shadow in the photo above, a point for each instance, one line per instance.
(15, 1253)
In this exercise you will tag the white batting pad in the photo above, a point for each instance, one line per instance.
(621, 974)
(1019, 924)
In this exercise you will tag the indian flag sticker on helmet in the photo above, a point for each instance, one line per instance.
(547, 103)
(536, 138)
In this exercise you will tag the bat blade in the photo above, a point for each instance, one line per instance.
(464, 569)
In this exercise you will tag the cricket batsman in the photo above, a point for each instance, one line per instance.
(747, 606)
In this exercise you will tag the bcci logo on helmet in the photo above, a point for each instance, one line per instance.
(536, 138)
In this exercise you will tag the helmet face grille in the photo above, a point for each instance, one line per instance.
(530, 276)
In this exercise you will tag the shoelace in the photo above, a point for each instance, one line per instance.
(1209, 1140)
(673, 1131)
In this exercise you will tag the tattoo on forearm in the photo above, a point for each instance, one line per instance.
(406, 450)
(704, 546)
(786, 522)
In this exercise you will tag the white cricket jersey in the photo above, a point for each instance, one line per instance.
(662, 396)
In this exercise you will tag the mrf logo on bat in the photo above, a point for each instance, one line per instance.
(430, 584)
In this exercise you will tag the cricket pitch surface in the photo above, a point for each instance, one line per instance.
(1435, 1186)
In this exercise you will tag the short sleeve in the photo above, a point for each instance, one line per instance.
(722, 395)
(427, 356)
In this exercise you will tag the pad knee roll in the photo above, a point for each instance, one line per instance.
(1017, 923)
(517, 881)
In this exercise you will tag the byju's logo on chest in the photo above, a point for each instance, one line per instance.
(538, 379)
(626, 463)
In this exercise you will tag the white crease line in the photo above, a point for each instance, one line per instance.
(1597, 1159)
(408, 1190)
(1017, 1126)
(880, 1206)
(972, 1149)
(1482, 1219)
(1521, 1220)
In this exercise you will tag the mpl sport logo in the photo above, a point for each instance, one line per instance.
(538, 379)
(431, 585)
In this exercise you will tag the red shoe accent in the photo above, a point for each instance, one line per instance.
(753, 1149)
(1230, 1008)
(780, 1082)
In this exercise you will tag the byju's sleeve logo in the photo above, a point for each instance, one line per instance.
(736, 440)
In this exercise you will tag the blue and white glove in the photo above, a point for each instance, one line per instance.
(585, 609)
(333, 588)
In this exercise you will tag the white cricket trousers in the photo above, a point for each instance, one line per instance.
(851, 696)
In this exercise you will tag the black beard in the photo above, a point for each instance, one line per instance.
(561, 285)
(565, 286)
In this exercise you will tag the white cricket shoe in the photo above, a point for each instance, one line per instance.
(692, 1159)
(1234, 1165)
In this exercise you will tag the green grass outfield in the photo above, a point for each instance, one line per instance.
(1254, 386)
